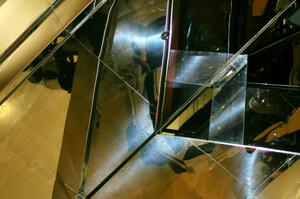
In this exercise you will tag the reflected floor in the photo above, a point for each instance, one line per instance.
(32, 122)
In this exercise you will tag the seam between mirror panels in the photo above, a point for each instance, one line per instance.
(29, 30)
(194, 96)
(218, 163)
(264, 180)
(239, 145)
(116, 74)
(92, 107)
(261, 185)
(98, 187)
(165, 64)
(48, 56)
(225, 68)
(149, 138)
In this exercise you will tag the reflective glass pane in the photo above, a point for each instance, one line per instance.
(135, 45)
(272, 117)
(73, 147)
(233, 23)
(32, 122)
(228, 110)
(169, 167)
(279, 36)
(189, 71)
(121, 123)
(256, 169)
(162, 170)
(218, 112)
(12, 24)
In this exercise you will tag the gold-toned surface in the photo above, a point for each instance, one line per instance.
(16, 16)
(199, 103)
(122, 123)
(286, 186)
(166, 167)
(202, 171)
(31, 128)
(75, 133)
(40, 38)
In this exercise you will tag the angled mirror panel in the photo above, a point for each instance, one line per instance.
(273, 57)
(135, 45)
(272, 117)
(162, 170)
(74, 140)
(284, 12)
(121, 123)
(169, 167)
(32, 122)
(227, 117)
(216, 114)
(16, 24)
(281, 184)
(189, 71)
(233, 23)
(256, 169)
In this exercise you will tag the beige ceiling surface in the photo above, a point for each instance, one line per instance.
(31, 128)
(16, 16)
(39, 39)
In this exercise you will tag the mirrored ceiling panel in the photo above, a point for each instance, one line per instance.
(217, 113)
(277, 34)
(135, 46)
(273, 117)
(174, 167)
(16, 16)
(121, 123)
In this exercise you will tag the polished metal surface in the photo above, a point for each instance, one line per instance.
(32, 123)
(28, 31)
(52, 48)
(128, 80)
(39, 39)
(232, 137)
(173, 167)
(74, 141)
(2, 2)
(28, 11)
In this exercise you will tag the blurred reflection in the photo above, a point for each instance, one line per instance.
(121, 123)
(32, 122)
(216, 114)
(255, 170)
(72, 154)
(57, 57)
(273, 55)
(228, 110)
(274, 111)
(150, 175)
(136, 50)
(212, 171)
(28, 11)
(59, 67)
(187, 72)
